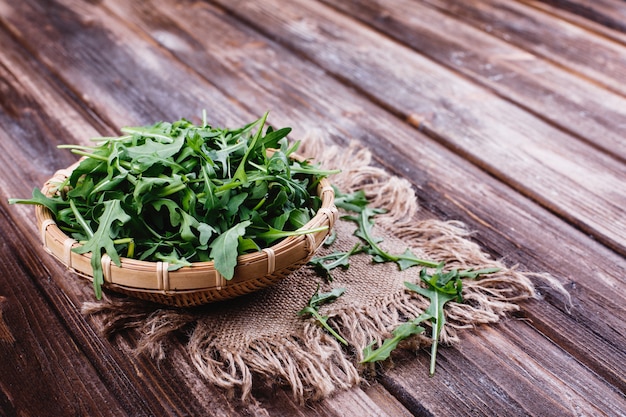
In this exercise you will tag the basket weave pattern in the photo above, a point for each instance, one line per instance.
(192, 285)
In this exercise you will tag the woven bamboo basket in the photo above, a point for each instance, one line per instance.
(192, 285)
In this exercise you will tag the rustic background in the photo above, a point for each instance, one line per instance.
(506, 115)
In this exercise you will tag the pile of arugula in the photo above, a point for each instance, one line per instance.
(182, 193)
(440, 287)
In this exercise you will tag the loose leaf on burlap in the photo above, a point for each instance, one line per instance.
(261, 337)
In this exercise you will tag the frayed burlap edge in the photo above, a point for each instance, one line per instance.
(310, 362)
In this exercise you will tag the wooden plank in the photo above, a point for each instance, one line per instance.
(140, 386)
(84, 59)
(428, 167)
(594, 57)
(588, 21)
(511, 144)
(607, 13)
(166, 384)
(584, 110)
(520, 230)
(503, 366)
(54, 376)
(141, 379)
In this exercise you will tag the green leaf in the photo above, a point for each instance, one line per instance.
(206, 231)
(314, 304)
(247, 245)
(438, 300)
(402, 332)
(240, 173)
(224, 249)
(325, 264)
(172, 208)
(188, 222)
(102, 240)
(355, 201)
(408, 259)
(319, 299)
(270, 140)
(153, 148)
(299, 217)
(157, 131)
(53, 204)
(274, 234)
(365, 223)
(473, 274)
(173, 259)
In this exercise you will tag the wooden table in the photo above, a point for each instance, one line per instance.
(507, 115)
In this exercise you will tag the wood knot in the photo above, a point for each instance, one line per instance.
(419, 120)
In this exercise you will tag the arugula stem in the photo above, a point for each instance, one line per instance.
(259, 204)
(277, 234)
(433, 349)
(108, 139)
(130, 252)
(227, 186)
(87, 148)
(81, 220)
(323, 322)
(90, 155)
(125, 164)
(147, 133)
(171, 189)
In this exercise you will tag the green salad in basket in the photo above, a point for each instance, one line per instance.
(182, 193)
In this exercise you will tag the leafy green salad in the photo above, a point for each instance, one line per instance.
(182, 193)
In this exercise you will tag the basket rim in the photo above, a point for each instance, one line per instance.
(157, 275)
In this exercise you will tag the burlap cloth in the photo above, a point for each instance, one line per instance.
(260, 339)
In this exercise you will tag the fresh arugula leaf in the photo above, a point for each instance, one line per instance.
(224, 249)
(365, 222)
(52, 204)
(324, 264)
(354, 202)
(190, 190)
(400, 333)
(441, 287)
(274, 234)
(240, 173)
(473, 274)
(102, 240)
(314, 304)
(438, 299)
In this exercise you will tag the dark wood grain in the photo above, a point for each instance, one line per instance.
(596, 58)
(608, 13)
(165, 386)
(411, 82)
(370, 125)
(55, 376)
(495, 359)
(579, 16)
(586, 111)
(502, 139)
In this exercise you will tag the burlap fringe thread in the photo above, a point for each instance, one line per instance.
(310, 362)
